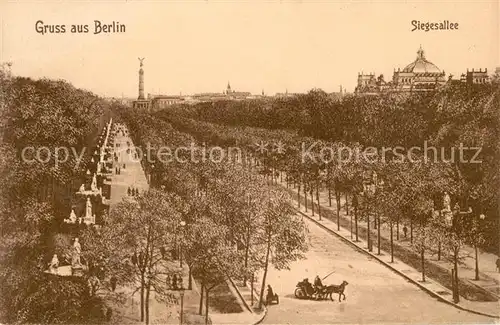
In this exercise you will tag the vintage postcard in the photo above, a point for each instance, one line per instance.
(250, 162)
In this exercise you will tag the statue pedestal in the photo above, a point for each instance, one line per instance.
(77, 270)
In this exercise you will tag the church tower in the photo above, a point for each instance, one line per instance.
(228, 90)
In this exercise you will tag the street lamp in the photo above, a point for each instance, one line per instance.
(477, 238)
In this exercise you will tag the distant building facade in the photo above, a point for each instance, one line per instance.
(475, 77)
(418, 76)
(164, 101)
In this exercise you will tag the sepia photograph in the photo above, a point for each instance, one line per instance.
(250, 162)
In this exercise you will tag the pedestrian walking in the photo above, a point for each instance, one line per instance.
(405, 231)
(498, 265)
(113, 281)
(109, 314)
(128, 191)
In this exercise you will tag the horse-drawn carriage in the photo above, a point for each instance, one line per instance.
(305, 290)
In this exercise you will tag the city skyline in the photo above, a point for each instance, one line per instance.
(198, 47)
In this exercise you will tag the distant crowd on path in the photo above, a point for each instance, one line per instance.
(131, 191)
(118, 170)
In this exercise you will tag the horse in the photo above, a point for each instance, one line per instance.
(331, 289)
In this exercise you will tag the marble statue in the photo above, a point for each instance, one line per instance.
(72, 217)
(82, 188)
(93, 186)
(88, 172)
(446, 202)
(54, 264)
(77, 250)
(88, 209)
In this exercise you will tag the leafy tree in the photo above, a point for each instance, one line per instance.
(147, 226)
(283, 235)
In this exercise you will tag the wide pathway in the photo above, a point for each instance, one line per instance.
(374, 294)
(132, 176)
(489, 275)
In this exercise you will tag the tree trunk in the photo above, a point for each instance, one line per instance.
(439, 250)
(305, 196)
(207, 292)
(455, 265)
(337, 199)
(422, 260)
(298, 195)
(142, 297)
(312, 201)
(477, 263)
(392, 243)
(356, 222)
(378, 233)
(190, 280)
(317, 199)
(251, 289)
(397, 228)
(411, 230)
(148, 290)
(263, 287)
(329, 196)
(247, 248)
(346, 204)
(351, 226)
(200, 310)
(368, 232)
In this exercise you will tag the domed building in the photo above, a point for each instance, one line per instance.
(420, 75)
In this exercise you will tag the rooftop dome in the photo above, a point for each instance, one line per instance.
(421, 65)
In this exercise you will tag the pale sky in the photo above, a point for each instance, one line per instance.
(198, 46)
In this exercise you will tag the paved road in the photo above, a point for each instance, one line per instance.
(374, 294)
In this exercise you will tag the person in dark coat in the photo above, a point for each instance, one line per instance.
(270, 294)
(129, 191)
(134, 259)
(109, 314)
(174, 282)
(113, 281)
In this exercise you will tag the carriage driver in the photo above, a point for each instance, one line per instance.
(318, 285)
(308, 286)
